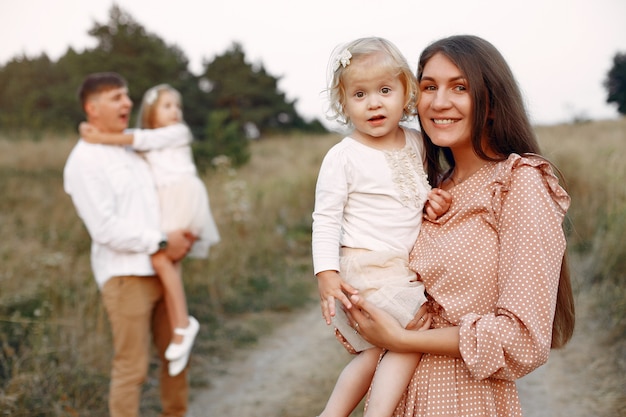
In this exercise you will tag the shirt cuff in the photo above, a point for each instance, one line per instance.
(154, 238)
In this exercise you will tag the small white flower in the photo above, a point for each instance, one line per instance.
(151, 96)
(343, 59)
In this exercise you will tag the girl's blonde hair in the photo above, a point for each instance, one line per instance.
(392, 59)
(147, 111)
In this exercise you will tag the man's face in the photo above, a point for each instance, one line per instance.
(109, 110)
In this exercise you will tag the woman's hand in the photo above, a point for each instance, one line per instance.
(421, 320)
(331, 287)
(380, 328)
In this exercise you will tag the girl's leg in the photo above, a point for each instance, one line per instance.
(352, 384)
(390, 381)
(185, 327)
(175, 299)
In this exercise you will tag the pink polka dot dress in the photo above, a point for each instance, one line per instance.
(491, 266)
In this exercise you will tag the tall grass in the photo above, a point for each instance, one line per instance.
(592, 157)
(55, 343)
(54, 337)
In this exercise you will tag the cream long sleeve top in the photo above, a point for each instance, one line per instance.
(368, 198)
(167, 150)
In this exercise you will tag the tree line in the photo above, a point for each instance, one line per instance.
(229, 101)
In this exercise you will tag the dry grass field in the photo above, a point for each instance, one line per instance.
(54, 338)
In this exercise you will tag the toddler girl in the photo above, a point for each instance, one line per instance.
(370, 197)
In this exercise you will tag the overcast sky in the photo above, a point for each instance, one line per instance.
(559, 50)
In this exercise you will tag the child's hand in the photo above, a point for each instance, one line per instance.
(438, 203)
(87, 132)
(331, 287)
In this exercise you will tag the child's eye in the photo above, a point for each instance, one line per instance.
(359, 94)
(385, 90)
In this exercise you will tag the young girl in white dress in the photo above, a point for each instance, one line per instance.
(370, 198)
(165, 141)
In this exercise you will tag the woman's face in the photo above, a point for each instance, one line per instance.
(445, 105)
(167, 111)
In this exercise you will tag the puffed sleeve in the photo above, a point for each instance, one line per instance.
(529, 207)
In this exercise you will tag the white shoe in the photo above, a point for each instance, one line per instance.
(178, 350)
(178, 365)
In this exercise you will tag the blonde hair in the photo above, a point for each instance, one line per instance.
(147, 111)
(393, 60)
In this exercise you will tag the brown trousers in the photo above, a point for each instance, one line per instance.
(137, 313)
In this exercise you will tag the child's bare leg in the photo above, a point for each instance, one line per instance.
(352, 384)
(175, 300)
(390, 381)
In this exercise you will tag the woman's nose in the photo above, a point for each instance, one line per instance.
(441, 99)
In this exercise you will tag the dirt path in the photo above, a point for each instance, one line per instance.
(291, 372)
(288, 374)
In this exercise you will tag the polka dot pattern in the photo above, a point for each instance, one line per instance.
(491, 266)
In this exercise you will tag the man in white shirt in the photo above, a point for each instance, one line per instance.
(115, 196)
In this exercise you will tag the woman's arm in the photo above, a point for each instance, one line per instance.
(381, 329)
(91, 134)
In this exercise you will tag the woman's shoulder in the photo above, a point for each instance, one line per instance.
(526, 164)
(529, 172)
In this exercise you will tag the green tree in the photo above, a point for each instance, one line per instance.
(615, 83)
(223, 137)
(37, 93)
(141, 57)
(249, 93)
(24, 97)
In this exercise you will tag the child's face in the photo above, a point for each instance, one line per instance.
(375, 98)
(167, 110)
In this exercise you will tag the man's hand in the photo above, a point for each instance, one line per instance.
(178, 244)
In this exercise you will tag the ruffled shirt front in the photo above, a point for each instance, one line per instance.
(491, 265)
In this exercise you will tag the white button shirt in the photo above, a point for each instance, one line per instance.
(114, 194)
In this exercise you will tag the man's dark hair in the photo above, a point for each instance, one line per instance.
(98, 82)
